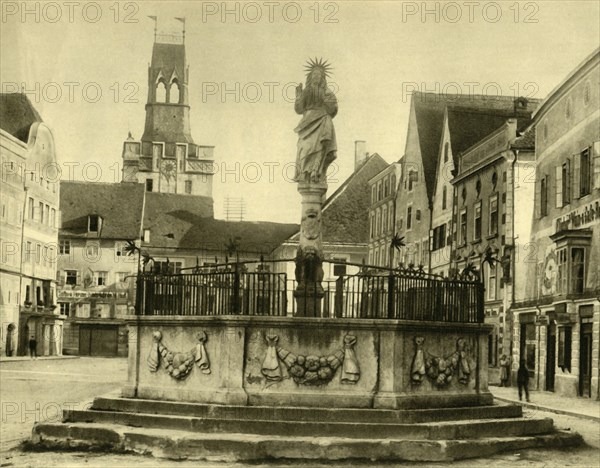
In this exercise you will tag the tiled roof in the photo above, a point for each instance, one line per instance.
(119, 205)
(17, 114)
(346, 211)
(482, 113)
(186, 222)
(526, 140)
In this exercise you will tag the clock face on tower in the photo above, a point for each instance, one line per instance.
(168, 169)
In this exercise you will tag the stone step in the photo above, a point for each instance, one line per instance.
(420, 431)
(134, 405)
(173, 444)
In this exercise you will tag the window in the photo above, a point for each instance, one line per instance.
(339, 267)
(28, 251)
(100, 278)
(38, 253)
(544, 196)
(64, 247)
(122, 276)
(53, 217)
(409, 218)
(400, 224)
(373, 194)
(391, 218)
(188, 186)
(564, 348)
(413, 177)
(47, 215)
(577, 269)
(463, 227)
(561, 275)
(491, 284)
(583, 169)
(493, 215)
(146, 236)
(477, 224)
(120, 249)
(386, 188)
(418, 215)
(379, 192)
(65, 308)
(171, 268)
(439, 237)
(384, 219)
(372, 232)
(71, 277)
(377, 222)
(444, 198)
(93, 223)
(566, 182)
(149, 185)
(41, 212)
(446, 147)
(571, 270)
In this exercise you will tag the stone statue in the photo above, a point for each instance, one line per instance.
(317, 145)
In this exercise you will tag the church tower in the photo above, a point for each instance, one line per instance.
(166, 159)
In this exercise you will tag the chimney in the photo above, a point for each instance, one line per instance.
(360, 153)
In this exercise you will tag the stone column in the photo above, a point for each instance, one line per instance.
(309, 257)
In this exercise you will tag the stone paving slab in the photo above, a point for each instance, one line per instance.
(547, 401)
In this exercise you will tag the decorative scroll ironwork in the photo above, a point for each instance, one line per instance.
(311, 369)
(178, 365)
(440, 370)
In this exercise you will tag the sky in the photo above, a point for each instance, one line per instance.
(84, 67)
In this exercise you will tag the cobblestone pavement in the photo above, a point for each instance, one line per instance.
(38, 390)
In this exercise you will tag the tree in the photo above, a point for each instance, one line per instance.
(131, 249)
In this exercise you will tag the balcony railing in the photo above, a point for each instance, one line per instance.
(375, 293)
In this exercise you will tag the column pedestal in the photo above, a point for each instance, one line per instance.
(309, 257)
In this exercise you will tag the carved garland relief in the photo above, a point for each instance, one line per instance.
(440, 370)
(178, 365)
(311, 369)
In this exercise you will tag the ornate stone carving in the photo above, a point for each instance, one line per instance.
(178, 365)
(440, 370)
(311, 369)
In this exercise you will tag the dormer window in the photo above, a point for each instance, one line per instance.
(94, 223)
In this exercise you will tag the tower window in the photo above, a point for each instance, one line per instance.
(174, 92)
(149, 185)
(161, 92)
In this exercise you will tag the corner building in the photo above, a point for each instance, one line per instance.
(557, 327)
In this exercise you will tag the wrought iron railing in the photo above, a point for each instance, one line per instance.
(378, 293)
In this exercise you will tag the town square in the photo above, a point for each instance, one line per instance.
(356, 233)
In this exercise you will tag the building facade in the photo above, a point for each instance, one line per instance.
(491, 175)
(557, 326)
(29, 225)
(95, 272)
(382, 214)
(166, 159)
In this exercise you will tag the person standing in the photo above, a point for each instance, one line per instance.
(504, 365)
(523, 380)
(32, 347)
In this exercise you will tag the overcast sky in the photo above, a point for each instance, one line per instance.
(379, 50)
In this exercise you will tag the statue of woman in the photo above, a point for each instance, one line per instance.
(317, 145)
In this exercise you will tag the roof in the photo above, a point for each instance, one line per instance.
(471, 117)
(169, 57)
(572, 77)
(186, 222)
(526, 140)
(345, 212)
(17, 114)
(120, 205)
